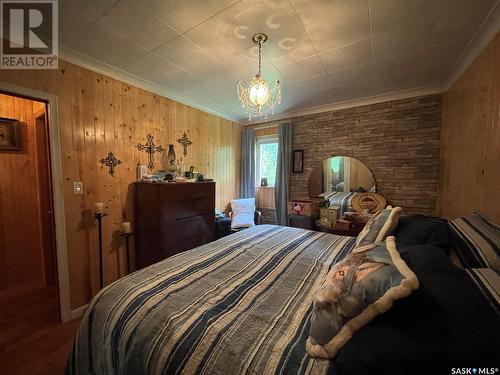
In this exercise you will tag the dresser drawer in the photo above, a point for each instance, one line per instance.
(186, 191)
(170, 218)
(186, 208)
(192, 226)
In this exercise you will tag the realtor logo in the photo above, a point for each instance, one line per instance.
(29, 34)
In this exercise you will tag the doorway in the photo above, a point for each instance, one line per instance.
(28, 261)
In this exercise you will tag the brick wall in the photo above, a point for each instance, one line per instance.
(398, 140)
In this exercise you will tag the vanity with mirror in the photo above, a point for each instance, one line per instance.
(346, 190)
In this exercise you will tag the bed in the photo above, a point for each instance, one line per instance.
(242, 304)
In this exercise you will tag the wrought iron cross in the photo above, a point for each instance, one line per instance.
(150, 149)
(111, 162)
(185, 142)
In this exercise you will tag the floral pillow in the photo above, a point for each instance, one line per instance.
(366, 283)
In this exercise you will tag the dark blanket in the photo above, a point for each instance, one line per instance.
(447, 323)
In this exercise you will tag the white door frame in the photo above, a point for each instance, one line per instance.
(57, 190)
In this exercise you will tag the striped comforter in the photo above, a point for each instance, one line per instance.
(239, 304)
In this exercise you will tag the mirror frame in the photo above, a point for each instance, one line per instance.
(320, 165)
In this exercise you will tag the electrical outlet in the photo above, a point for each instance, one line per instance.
(78, 187)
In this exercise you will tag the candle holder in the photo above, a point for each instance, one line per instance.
(127, 248)
(99, 216)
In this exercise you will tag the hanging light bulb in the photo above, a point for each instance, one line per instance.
(259, 98)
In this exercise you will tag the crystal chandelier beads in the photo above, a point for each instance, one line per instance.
(259, 98)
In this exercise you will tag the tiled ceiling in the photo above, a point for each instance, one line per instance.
(323, 51)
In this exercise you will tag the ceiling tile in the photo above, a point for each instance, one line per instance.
(233, 103)
(146, 29)
(219, 92)
(96, 43)
(415, 43)
(315, 84)
(348, 56)
(155, 69)
(233, 29)
(72, 24)
(391, 15)
(461, 18)
(411, 38)
(408, 64)
(303, 69)
(204, 77)
(183, 52)
(356, 74)
(90, 8)
(333, 23)
(216, 38)
(286, 50)
(237, 115)
(439, 61)
(241, 64)
(274, 18)
(185, 14)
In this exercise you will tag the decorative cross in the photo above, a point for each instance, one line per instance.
(185, 142)
(111, 162)
(150, 149)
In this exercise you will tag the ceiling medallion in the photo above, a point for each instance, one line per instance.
(259, 98)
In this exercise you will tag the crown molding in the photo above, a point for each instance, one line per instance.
(101, 67)
(484, 34)
(397, 95)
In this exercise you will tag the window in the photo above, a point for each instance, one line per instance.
(267, 156)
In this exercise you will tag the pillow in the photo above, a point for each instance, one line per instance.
(243, 213)
(379, 227)
(364, 284)
(476, 241)
(422, 230)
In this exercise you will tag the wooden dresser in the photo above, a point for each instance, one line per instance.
(172, 218)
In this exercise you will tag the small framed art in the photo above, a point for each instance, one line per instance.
(298, 161)
(10, 138)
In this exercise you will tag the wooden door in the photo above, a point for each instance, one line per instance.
(45, 198)
(27, 255)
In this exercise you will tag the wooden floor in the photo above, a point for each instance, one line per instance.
(32, 341)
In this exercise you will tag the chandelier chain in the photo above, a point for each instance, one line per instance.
(260, 56)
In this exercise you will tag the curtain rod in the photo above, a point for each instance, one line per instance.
(264, 126)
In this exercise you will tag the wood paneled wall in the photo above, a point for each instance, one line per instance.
(98, 114)
(21, 246)
(470, 139)
(264, 197)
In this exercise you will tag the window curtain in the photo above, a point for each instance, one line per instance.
(283, 166)
(247, 177)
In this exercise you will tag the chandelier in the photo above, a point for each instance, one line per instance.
(259, 97)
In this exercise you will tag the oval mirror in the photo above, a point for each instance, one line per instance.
(340, 174)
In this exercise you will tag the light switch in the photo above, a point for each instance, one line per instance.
(77, 187)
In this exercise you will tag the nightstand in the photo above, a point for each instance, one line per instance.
(351, 227)
(353, 230)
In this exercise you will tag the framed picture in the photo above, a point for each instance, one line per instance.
(298, 161)
(10, 138)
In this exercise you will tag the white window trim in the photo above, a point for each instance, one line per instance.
(265, 139)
